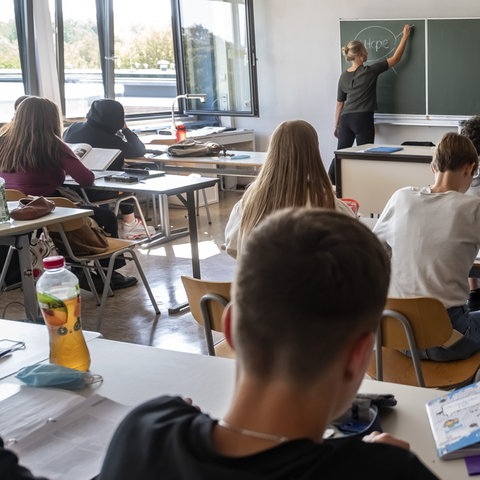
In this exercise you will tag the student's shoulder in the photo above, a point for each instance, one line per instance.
(381, 461)
(381, 66)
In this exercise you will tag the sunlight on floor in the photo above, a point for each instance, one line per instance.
(206, 249)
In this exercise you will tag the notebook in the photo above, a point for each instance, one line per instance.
(384, 149)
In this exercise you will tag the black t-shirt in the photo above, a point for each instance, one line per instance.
(169, 439)
(358, 89)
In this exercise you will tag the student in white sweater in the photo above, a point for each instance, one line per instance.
(293, 176)
(434, 234)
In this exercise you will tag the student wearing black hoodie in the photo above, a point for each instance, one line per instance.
(105, 127)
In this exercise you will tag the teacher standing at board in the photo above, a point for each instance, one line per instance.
(357, 95)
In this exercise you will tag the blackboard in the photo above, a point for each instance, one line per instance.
(438, 74)
(453, 67)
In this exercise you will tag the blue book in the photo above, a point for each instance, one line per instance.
(384, 149)
(455, 422)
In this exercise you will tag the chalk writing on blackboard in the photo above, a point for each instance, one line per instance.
(379, 41)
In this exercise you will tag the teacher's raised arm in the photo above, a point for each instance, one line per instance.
(397, 56)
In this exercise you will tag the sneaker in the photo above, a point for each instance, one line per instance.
(135, 230)
(473, 302)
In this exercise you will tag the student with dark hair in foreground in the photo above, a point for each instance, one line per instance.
(301, 353)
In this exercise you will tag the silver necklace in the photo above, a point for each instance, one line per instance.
(250, 433)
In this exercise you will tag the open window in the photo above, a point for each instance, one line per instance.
(215, 47)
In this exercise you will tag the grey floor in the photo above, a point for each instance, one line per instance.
(129, 316)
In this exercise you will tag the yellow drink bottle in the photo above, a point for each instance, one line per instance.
(58, 295)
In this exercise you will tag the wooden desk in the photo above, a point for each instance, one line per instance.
(372, 178)
(16, 233)
(140, 373)
(37, 347)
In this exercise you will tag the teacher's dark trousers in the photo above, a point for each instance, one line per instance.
(355, 126)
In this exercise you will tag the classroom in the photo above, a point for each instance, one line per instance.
(153, 338)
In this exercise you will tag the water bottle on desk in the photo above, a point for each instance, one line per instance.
(181, 132)
(4, 213)
(58, 295)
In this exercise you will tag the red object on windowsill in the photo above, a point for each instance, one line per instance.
(181, 133)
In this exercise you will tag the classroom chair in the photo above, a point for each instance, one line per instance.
(412, 324)
(207, 300)
(116, 247)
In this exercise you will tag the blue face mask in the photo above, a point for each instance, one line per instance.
(50, 375)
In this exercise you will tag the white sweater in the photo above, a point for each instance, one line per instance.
(435, 238)
(233, 240)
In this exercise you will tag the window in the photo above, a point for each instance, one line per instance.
(218, 55)
(144, 63)
(11, 86)
(82, 75)
(145, 54)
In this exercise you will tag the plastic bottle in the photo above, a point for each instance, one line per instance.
(4, 213)
(181, 132)
(58, 295)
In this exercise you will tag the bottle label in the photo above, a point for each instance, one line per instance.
(4, 213)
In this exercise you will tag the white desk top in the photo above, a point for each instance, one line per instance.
(168, 184)
(135, 373)
(19, 227)
(255, 159)
(36, 341)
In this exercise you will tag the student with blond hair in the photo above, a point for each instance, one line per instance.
(293, 176)
(434, 236)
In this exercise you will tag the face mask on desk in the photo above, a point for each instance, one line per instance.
(56, 376)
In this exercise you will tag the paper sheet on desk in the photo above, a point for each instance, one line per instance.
(67, 438)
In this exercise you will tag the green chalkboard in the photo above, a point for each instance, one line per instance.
(439, 72)
(402, 88)
(453, 67)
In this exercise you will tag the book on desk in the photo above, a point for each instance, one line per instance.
(94, 158)
(455, 422)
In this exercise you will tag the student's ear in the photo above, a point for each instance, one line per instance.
(473, 169)
(227, 325)
(359, 356)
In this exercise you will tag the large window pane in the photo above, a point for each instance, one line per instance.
(11, 86)
(216, 54)
(83, 76)
(145, 77)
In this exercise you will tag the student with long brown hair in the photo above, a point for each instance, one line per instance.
(35, 160)
(293, 176)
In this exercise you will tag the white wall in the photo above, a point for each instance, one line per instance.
(298, 50)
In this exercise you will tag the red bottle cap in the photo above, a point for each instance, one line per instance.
(53, 262)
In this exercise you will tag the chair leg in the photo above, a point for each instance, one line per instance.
(108, 278)
(8, 259)
(145, 281)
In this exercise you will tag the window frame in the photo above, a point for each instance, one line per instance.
(104, 10)
(181, 63)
